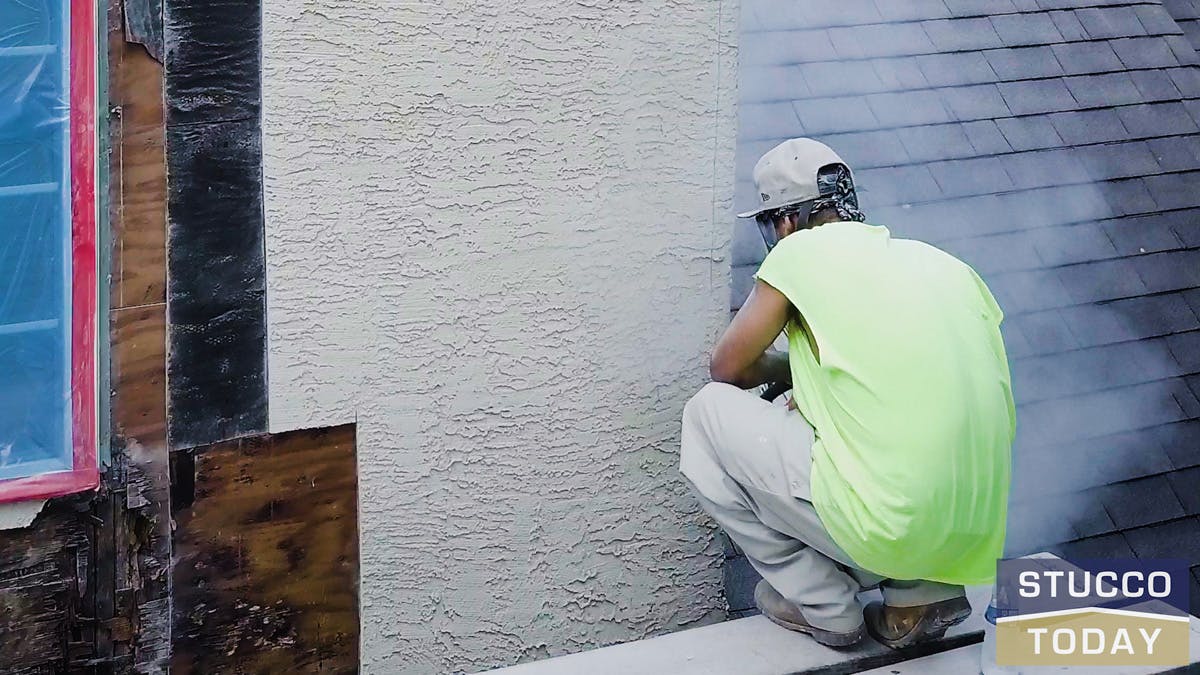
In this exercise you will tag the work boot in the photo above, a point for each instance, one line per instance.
(788, 614)
(899, 627)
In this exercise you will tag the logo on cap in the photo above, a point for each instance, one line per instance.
(765, 197)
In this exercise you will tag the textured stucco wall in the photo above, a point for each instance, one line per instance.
(497, 239)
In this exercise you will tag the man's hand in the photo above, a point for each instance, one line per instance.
(741, 357)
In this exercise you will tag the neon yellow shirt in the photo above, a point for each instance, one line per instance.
(911, 400)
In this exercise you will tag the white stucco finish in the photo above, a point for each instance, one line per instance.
(497, 239)
(20, 514)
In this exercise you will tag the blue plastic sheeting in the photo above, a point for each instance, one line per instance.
(35, 239)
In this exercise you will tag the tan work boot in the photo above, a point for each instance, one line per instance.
(787, 614)
(899, 627)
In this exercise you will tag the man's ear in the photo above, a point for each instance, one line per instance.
(793, 224)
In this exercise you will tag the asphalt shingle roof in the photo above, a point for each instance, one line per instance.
(1186, 14)
(1055, 146)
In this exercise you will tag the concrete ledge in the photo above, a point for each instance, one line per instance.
(750, 646)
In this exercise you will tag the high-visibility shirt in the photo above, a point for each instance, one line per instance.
(910, 395)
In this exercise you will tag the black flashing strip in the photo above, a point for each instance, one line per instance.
(216, 265)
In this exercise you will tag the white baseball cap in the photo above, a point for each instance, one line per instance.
(787, 173)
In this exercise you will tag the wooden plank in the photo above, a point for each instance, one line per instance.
(135, 620)
(139, 176)
(139, 352)
(265, 565)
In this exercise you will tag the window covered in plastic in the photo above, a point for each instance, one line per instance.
(47, 247)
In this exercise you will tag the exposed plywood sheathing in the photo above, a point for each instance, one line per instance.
(496, 238)
(135, 536)
(266, 555)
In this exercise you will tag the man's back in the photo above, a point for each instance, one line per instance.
(909, 393)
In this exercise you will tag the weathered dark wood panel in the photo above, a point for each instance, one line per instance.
(216, 260)
(43, 581)
(265, 572)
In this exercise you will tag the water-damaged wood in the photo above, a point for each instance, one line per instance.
(43, 583)
(265, 570)
(136, 620)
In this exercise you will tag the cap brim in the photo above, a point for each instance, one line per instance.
(755, 212)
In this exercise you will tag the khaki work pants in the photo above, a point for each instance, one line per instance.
(749, 463)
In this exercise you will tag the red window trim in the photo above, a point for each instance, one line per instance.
(85, 472)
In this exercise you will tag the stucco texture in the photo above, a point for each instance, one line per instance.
(497, 240)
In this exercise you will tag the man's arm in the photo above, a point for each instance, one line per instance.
(741, 356)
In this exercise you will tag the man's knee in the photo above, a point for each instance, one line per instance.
(696, 446)
(707, 401)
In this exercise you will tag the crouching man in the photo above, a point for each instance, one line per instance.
(891, 464)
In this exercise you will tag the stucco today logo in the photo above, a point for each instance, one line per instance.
(1052, 611)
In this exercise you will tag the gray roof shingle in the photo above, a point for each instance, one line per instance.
(1089, 126)
(1106, 22)
(1071, 244)
(1186, 80)
(1132, 236)
(908, 108)
(896, 12)
(1055, 146)
(1185, 349)
(1029, 97)
(936, 142)
(1068, 25)
(1093, 91)
(902, 73)
(1086, 57)
(860, 42)
(1157, 85)
(953, 35)
(1145, 52)
(1141, 502)
(980, 7)
(1017, 30)
(975, 102)
(1156, 20)
(948, 70)
(1028, 133)
(1017, 64)
(986, 138)
(1118, 160)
